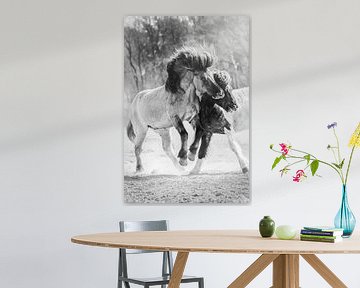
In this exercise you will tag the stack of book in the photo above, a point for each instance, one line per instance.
(321, 234)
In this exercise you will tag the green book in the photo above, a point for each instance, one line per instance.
(325, 240)
(319, 236)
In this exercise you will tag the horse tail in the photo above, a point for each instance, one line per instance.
(130, 131)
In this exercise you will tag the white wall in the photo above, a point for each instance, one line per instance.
(61, 132)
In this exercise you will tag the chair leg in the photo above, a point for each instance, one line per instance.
(119, 270)
(201, 283)
(126, 284)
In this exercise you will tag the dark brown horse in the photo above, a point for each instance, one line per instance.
(212, 119)
(169, 105)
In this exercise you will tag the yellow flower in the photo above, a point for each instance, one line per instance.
(355, 137)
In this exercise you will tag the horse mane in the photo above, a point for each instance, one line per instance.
(183, 60)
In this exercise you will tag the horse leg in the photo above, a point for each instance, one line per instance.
(235, 147)
(205, 141)
(138, 142)
(184, 137)
(166, 145)
(195, 145)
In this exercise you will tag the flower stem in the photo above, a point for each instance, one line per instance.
(296, 162)
(339, 156)
(312, 159)
(338, 171)
(304, 152)
(333, 152)
(320, 161)
(338, 146)
(348, 167)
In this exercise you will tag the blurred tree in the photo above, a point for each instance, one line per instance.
(150, 41)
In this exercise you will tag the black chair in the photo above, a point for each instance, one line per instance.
(167, 262)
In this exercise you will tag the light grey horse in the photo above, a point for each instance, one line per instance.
(169, 105)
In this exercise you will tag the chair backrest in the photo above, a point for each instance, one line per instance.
(134, 226)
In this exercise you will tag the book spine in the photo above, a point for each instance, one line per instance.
(317, 239)
(319, 236)
(320, 233)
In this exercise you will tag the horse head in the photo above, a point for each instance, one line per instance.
(188, 66)
(228, 101)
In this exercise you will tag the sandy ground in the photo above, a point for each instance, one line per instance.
(230, 187)
(220, 180)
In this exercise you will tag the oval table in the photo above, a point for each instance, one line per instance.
(284, 254)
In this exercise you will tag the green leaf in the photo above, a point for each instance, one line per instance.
(314, 166)
(307, 157)
(271, 146)
(276, 161)
(339, 166)
(342, 163)
(336, 165)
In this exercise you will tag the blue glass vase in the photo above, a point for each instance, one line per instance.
(345, 219)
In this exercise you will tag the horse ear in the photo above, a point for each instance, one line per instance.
(173, 81)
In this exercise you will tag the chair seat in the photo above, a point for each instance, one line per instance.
(158, 280)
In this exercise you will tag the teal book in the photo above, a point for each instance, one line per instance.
(324, 229)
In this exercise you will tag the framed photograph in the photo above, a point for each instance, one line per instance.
(187, 109)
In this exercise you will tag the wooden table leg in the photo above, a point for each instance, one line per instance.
(293, 264)
(178, 269)
(286, 271)
(253, 270)
(324, 271)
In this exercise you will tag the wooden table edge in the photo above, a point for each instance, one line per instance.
(207, 250)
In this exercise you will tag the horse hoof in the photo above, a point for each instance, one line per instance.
(191, 156)
(183, 162)
(245, 170)
(139, 169)
(194, 172)
(180, 169)
(182, 173)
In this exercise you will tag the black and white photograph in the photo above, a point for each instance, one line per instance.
(187, 110)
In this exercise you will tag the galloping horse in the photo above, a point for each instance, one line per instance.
(212, 119)
(171, 104)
